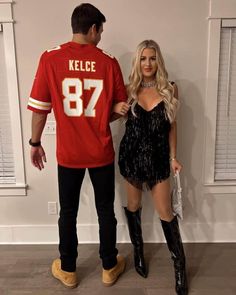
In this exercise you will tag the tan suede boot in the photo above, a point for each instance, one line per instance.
(110, 276)
(68, 279)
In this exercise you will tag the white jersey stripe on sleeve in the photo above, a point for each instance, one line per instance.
(37, 104)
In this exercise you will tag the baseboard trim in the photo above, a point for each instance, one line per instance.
(87, 233)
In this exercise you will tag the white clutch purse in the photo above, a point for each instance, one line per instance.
(176, 197)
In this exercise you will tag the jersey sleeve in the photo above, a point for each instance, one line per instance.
(40, 98)
(119, 92)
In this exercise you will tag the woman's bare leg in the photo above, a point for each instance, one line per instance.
(134, 197)
(162, 200)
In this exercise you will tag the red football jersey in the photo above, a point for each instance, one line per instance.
(81, 83)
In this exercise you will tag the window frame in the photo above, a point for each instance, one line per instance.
(6, 20)
(217, 13)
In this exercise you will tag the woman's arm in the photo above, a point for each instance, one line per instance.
(173, 140)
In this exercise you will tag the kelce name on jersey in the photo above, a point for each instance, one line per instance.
(82, 66)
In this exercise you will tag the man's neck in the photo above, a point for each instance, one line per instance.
(81, 39)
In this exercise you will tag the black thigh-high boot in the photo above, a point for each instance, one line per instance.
(174, 242)
(135, 232)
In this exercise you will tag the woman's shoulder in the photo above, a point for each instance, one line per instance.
(173, 83)
(175, 88)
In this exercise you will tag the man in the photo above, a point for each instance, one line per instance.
(84, 86)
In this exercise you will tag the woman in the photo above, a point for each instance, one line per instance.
(147, 151)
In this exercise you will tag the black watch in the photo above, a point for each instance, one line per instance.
(35, 144)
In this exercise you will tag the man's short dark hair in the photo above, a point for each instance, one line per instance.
(84, 16)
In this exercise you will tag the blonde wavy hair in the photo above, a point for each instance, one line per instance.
(163, 85)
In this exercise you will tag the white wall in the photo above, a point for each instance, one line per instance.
(181, 29)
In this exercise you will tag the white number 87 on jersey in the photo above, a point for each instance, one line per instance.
(75, 98)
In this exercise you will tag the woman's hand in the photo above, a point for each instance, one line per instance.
(121, 108)
(176, 165)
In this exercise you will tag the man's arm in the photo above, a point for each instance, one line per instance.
(37, 153)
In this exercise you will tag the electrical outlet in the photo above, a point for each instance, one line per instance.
(50, 127)
(52, 208)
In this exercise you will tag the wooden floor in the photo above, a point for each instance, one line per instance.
(211, 271)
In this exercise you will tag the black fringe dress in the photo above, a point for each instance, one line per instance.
(144, 148)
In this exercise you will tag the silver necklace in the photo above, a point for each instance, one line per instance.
(148, 84)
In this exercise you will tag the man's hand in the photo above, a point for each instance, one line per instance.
(38, 156)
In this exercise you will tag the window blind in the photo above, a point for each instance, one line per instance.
(225, 151)
(7, 169)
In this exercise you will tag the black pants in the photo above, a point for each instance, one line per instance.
(70, 181)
